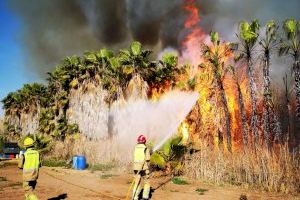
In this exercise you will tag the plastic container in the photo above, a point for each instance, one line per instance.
(79, 162)
(74, 165)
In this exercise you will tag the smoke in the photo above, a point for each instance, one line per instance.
(54, 29)
(224, 15)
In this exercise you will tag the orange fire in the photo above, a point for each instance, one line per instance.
(191, 43)
(193, 18)
(206, 120)
(210, 116)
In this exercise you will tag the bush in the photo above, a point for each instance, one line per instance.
(102, 167)
(106, 176)
(56, 163)
(169, 156)
(179, 181)
(201, 191)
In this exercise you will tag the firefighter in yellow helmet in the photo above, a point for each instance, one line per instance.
(30, 163)
(141, 168)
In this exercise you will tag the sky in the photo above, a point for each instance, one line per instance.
(12, 65)
(35, 35)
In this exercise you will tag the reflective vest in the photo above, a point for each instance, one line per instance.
(141, 155)
(31, 165)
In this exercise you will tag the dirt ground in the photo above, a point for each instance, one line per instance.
(59, 183)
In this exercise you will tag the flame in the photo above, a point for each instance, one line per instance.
(191, 43)
(206, 120)
(156, 92)
(193, 18)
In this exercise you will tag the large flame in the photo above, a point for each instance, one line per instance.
(191, 43)
(206, 120)
(208, 113)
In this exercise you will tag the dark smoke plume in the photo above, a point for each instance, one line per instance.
(53, 29)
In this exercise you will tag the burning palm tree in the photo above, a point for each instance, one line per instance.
(241, 107)
(215, 56)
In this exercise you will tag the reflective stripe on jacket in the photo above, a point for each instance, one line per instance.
(31, 165)
(141, 156)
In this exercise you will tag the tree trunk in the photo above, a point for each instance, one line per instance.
(276, 126)
(267, 102)
(252, 88)
(297, 87)
(225, 108)
(288, 106)
(271, 123)
(242, 110)
(297, 91)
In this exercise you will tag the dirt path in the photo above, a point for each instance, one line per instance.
(58, 183)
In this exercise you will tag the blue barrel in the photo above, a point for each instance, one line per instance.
(79, 162)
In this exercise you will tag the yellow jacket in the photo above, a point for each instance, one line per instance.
(30, 162)
(141, 157)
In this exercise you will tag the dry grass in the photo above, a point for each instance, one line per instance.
(278, 171)
(96, 151)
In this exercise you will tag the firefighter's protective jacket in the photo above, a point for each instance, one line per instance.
(30, 162)
(141, 157)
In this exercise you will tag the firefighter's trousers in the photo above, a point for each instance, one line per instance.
(141, 177)
(29, 187)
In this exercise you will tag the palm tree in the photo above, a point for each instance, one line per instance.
(11, 103)
(136, 60)
(287, 91)
(291, 47)
(248, 35)
(215, 56)
(166, 70)
(268, 43)
(28, 99)
(242, 107)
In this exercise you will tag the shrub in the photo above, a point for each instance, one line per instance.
(170, 155)
(179, 181)
(102, 167)
(56, 163)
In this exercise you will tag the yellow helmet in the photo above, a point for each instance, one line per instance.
(28, 142)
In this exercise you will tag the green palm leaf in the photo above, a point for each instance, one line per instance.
(136, 48)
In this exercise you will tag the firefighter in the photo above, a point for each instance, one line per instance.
(30, 163)
(141, 168)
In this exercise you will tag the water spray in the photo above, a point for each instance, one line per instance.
(121, 124)
(161, 143)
